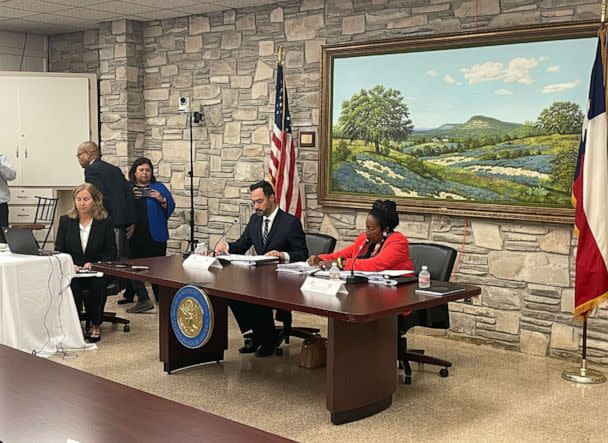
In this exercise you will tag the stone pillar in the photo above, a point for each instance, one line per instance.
(121, 91)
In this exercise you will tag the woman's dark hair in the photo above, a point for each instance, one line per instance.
(138, 162)
(385, 212)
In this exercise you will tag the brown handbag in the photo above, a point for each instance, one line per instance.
(314, 353)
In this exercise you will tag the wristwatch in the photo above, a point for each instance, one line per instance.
(340, 264)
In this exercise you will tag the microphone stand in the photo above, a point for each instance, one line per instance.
(224, 235)
(352, 278)
(197, 117)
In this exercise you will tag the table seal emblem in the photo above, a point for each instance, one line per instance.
(192, 317)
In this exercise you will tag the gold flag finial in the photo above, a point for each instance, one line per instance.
(603, 12)
(281, 53)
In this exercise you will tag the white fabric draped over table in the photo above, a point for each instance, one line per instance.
(37, 309)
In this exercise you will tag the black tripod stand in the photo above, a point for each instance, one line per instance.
(193, 117)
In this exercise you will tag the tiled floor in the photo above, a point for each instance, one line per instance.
(490, 395)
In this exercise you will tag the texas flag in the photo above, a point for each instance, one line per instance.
(590, 197)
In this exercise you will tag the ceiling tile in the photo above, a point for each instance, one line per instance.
(89, 14)
(173, 4)
(35, 5)
(242, 3)
(162, 14)
(122, 8)
(76, 3)
(57, 19)
(35, 28)
(201, 9)
(14, 13)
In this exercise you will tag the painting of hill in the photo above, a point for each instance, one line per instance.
(477, 125)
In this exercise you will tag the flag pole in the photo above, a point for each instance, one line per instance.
(583, 374)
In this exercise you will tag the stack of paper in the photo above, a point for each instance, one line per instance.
(300, 267)
(390, 277)
(250, 260)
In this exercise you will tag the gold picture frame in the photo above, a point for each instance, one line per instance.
(345, 164)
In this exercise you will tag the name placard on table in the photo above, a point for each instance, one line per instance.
(201, 262)
(323, 286)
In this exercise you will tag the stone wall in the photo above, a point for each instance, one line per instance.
(225, 62)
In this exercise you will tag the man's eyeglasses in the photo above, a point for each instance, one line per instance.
(80, 153)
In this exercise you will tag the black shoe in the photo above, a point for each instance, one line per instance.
(265, 350)
(124, 301)
(248, 348)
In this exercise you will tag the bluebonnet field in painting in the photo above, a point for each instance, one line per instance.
(495, 124)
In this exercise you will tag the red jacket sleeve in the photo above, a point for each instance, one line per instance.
(393, 255)
(348, 252)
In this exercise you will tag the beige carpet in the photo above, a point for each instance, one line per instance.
(490, 395)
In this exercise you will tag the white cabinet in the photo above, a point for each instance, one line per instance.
(9, 118)
(43, 119)
(23, 209)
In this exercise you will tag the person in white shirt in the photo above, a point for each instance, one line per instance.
(87, 234)
(7, 173)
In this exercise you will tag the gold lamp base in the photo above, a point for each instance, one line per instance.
(583, 375)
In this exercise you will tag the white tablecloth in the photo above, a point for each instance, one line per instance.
(37, 309)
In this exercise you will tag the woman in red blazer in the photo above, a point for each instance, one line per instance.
(379, 248)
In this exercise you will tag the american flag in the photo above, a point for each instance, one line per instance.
(282, 169)
(589, 197)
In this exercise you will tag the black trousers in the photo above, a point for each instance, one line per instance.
(143, 250)
(90, 291)
(257, 318)
(3, 214)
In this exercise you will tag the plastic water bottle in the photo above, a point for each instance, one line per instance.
(334, 272)
(424, 278)
(201, 248)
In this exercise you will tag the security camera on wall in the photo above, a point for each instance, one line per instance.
(184, 104)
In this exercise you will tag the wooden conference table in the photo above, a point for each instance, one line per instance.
(362, 326)
(44, 401)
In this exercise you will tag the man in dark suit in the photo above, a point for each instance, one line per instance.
(111, 182)
(271, 232)
(117, 199)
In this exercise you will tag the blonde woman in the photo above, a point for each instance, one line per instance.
(87, 234)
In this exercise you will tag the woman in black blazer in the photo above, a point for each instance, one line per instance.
(87, 234)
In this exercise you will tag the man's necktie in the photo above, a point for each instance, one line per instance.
(265, 233)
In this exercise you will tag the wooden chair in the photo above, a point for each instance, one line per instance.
(440, 261)
(44, 218)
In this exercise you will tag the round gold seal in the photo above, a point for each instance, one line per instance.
(190, 317)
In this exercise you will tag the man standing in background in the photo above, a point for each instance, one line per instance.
(7, 173)
(111, 182)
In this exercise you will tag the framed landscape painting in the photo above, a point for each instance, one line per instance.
(481, 125)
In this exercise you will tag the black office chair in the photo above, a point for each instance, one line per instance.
(112, 288)
(44, 218)
(439, 261)
(316, 244)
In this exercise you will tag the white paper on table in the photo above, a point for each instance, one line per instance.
(201, 262)
(300, 267)
(248, 258)
(88, 274)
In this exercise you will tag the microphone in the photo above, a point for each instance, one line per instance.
(236, 220)
(352, 278)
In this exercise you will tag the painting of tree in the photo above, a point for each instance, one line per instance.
(378, 115)
(479, 126)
